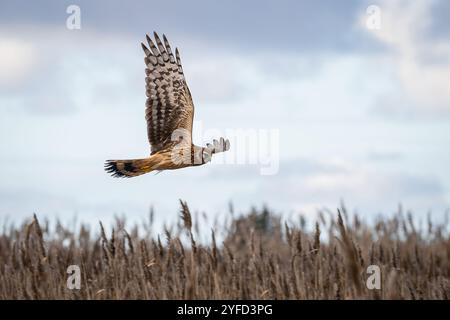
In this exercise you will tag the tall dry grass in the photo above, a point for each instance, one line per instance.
(258, 257)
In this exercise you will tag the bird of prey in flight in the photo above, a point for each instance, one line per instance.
(169, 114)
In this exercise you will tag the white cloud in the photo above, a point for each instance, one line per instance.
(422, 66)
(60, 71)
(17, 59)
(364, 187)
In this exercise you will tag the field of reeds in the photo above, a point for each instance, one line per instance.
(252, 256)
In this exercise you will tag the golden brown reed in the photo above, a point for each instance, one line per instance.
(254, 256)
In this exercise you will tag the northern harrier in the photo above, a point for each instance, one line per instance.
(169, 113)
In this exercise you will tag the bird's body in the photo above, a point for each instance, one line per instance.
(161, 160)
(169, 114)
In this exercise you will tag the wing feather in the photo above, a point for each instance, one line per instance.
(169, 104)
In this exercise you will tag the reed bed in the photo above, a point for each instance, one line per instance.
(252, 256)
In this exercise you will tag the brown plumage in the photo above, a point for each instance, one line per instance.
(169, 113)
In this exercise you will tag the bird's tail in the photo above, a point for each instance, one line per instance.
(128, 168)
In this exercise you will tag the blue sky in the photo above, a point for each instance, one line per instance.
(362, 115)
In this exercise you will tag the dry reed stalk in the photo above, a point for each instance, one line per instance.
(349, 249)
(272, 261)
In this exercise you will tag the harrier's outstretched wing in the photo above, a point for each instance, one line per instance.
(169, 104)
(218, 146)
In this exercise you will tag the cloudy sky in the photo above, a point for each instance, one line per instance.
(335, 109)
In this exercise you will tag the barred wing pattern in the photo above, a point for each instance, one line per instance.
(169, 104)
